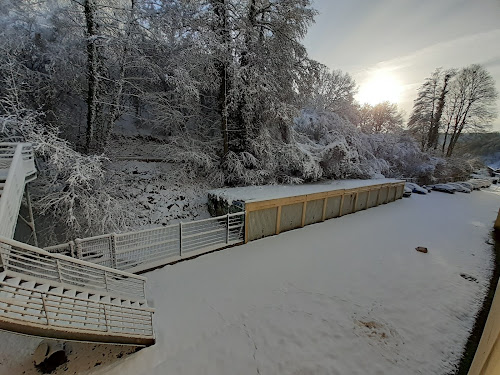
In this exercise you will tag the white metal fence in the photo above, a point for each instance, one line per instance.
(146, 249)
(32, 261)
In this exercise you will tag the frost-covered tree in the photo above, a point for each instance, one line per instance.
(332, 90)
(384, 117)
(70, 190)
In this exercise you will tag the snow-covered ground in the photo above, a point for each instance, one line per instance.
(157, 193)
(347, 296)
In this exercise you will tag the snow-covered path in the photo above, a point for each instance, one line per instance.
(347, 296)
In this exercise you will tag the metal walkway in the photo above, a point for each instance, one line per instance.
(53, 295)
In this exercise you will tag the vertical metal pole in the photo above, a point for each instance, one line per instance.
(58, 265)
(45, 309)
(3, 262)
(227, 229)
(30, 211)
(180, 238)
(246, 226)
(106, 318)
(106, 280)
(113, 250)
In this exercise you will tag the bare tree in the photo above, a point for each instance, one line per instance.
(425, 119)
(472, 104)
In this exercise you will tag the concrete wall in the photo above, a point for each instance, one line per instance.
(265, 218)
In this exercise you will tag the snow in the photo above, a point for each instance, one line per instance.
(347, 296)
(156, 193)
(258, 193)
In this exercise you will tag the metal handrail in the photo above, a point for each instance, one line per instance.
(67, 258)
(29, 260)
(12, 194)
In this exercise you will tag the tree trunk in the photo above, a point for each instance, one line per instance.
(436, 119)
(244, 123)
(115, 109)
(445, 138)
(220, 10)
(92, 72)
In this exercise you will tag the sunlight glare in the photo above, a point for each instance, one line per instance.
(381, 86)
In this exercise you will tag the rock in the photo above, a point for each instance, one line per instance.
(468, 277)
(422, 249)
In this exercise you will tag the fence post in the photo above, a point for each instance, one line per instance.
(106, 318)
(2, 260)
(106, 280)
(180, 238)
(58, 266)
(227, 228)
(72, 248)
(78, 244)
(112, 248)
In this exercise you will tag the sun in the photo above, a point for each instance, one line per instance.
(379, 87)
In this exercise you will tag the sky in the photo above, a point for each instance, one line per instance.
(391, 46)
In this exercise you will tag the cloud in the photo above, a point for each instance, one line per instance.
(412, 69)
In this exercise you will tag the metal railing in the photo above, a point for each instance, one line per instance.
(32, 306)
(32, 261)
(13, 189)
(17, 166)
(92, 302)
(145, 249)
(7, 152)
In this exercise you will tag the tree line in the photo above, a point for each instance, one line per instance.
(227, 86)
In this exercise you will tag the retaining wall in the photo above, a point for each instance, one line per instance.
(268, 217)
